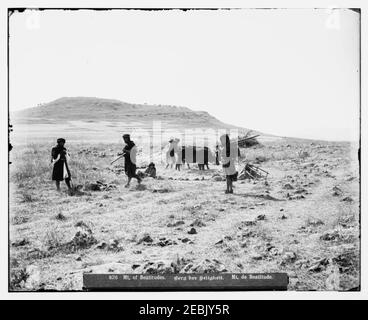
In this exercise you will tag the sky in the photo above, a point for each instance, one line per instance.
(289, 72)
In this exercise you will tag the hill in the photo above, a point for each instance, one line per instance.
(96, 109)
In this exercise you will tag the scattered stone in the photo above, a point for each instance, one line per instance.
(315, 222)
(145, 238)
(347, 261)
(186, 240)
(36, 253)
(319, 266)
(112, 267)
(336, 191)
(137, 251)
(175, 224)
(224, 238)
(159, 267)
(21, 243)
(102, 245)
(60, 217)
(219, 242)
(208, 266)
(303, 154)
(114, 245)
(269, 246)
(186, 268)
(260, 159)
(295, 197)
(192, 231)
(92, 187)
(20, 220)
(256, 256)
(197, 223)
(274, 251)
(300, 191)
(166, 242)
(283, 217)
(82, 224)
(83, 239)
(331, 236)
(288, 257)
(140, 187)
(347, 199)
(244, 244)
(248, 234)
(161, 190)
(288, 186)
(346, 221)
(249, 223)
(261, 217)
(218, 178)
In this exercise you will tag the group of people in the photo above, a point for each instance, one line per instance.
(227, 152)
(60, 157)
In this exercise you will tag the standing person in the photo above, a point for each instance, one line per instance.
(217, 154)
(177, 154)
(170, 154)
(229, 153)
(130, 157)
(59, 159)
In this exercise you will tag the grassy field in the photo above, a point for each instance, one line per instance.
(303, 220)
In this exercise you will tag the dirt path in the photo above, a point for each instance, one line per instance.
(304, 220)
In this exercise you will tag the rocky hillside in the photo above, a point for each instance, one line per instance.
(96, 109)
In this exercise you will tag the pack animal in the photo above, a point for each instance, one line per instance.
(193, 154)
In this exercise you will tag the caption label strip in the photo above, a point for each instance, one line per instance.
(179, 282)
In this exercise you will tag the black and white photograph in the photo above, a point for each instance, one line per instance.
(177, 149)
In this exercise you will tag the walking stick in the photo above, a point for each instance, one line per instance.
(119, 157)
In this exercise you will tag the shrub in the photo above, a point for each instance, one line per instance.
(18, 276)
(53, 239)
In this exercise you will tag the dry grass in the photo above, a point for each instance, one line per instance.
(51, 220)
(53, 238)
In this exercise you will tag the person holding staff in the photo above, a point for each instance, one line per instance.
(59, 160)
(130, 157)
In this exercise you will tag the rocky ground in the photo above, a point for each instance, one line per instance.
(303, 219)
